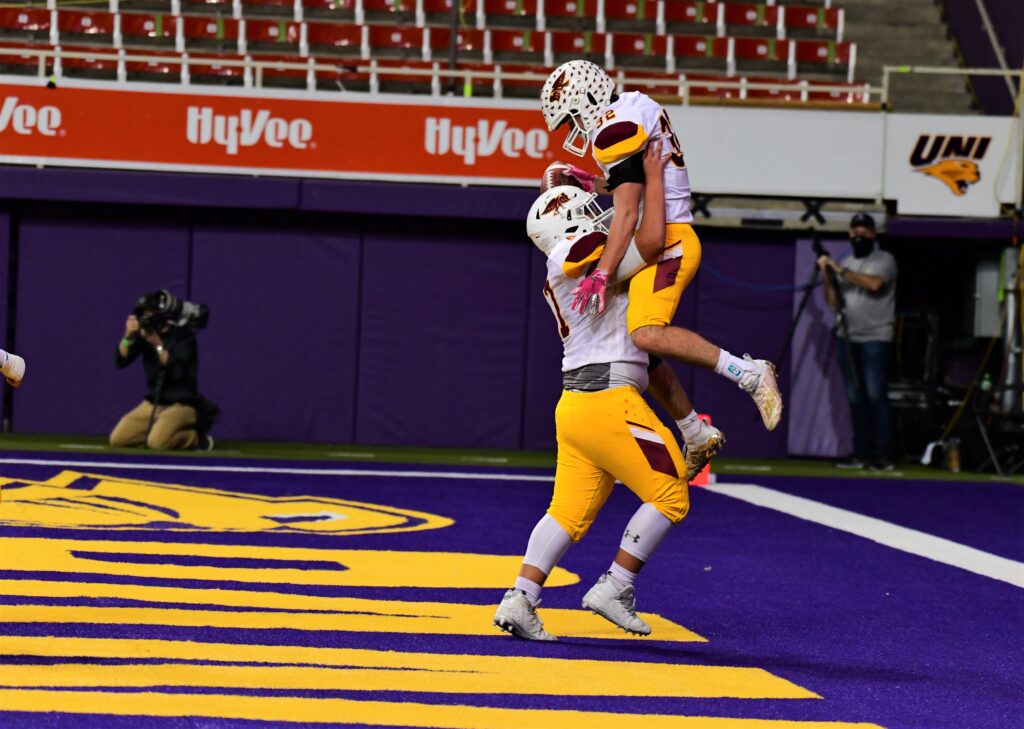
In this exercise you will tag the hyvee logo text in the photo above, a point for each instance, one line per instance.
(483, 140)
(246, 129)
(26, 119)
(952, 160)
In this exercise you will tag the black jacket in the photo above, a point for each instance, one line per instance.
(179, 376)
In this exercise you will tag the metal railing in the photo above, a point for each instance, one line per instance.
(889, 71)
(50, 61)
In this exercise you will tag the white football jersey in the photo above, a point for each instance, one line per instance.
(590, 339)
(625, 128)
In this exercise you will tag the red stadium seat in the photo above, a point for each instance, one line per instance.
(389, 11)
(336, 39)
(91, 66)
(708, 86)
(669, 83)
(831, 53)
(683, 16)
(636, 49)
(95, 27)
(339, 10)
(271, 71)
(26, 24)
(523, 88)
(510, 13)
(571, 14)
(566, 46)
(208, 68)
(220, 33)
(389, 41)
(787, 91)
(470, 42)
(272, 8)
(813, 20)
(280, 36)
(758, 49)
(153, 70)
(215, 7)
(522, 46)
(148, 30)
(631, 15)
(751, 16)
(701, 51)
(439, 12)
(11, 61)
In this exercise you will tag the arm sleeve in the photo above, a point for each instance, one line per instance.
(133, 353)
(630, 264)
(629, 170)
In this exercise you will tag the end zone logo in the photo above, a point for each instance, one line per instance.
(483, 140)
(26, 119)
(952, 159)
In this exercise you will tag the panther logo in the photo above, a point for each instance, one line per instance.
(956, 174)
(558, 87)
(555, 205)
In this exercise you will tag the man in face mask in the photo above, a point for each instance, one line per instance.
(867, 284)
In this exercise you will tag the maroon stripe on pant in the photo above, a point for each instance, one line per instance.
(658, 457)
(665, 274)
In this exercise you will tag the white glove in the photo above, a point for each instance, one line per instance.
(13, 369)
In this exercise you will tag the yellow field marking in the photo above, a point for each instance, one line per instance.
(284, 709)
(113, 502)
(349, 669)
(282, 565)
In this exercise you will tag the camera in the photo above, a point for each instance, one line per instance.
(162, 307)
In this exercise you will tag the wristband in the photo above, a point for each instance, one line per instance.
(127, 342)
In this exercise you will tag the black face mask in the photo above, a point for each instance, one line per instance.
(862, 246)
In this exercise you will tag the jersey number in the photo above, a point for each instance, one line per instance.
(666, 131)
(549, 293)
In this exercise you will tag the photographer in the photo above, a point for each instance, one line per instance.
(866, 300)
(173, 416)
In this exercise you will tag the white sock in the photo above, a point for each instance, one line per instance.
(689, 426)
(731, 367)
(622, 577)
(644, 532)
(531, 588)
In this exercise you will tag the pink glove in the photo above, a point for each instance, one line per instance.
(589, 295)
(557, 173)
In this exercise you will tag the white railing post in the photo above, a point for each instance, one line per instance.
(609, 56)
(841, 25)
(488, 50)
(122, 67)
(541, 19)
(118, 39)
(236, 9)
(58, 65)
(481, 17)
(743, 87)
(310, 75)
(791, 62)
(113, 6)
(243, 45)
(179, 34)
(499, 89)
(298, 12)
(247, 80)
(186, 77)
(602, 24)
(780, 23)
(374, 78)
(720, 20)
(360, 13)
(303, 40)
(364, 42)
(425, 51)
(549, 54)
(176, 8)
(670, 54)
(421, 15)
(54, 29)
(435, 79)
(659, 23)
(730, 58)
(853, 63)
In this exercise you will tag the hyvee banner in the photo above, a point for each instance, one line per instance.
(194, 131)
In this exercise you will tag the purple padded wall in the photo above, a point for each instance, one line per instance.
(974, 44)
(279, 355)
(78, 281)
(5, 241)
(735, 315)
(441, 348)
(819, 416)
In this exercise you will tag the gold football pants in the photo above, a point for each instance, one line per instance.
(655, 290)
(607, 436)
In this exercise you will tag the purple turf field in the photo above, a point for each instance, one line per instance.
(188, 600)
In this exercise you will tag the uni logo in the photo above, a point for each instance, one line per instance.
(951, 159)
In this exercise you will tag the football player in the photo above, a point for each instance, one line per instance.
(12, 367)
(619, 127)
(605, 429)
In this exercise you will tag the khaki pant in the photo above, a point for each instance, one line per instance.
(173, 428)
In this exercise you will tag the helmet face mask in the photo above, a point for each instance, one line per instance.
(576, 92)
(565, 213)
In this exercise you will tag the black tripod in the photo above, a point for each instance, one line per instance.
(812, 284)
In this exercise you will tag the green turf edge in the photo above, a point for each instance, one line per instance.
(347, 453)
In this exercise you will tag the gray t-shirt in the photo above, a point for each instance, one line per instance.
(870, 316)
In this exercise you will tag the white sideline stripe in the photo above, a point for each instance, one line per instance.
(882, 532)
(293, 471)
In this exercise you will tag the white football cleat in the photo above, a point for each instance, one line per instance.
(760, 383)
(605, 599)
(702, 449)
(13, 370)
(518, 616)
